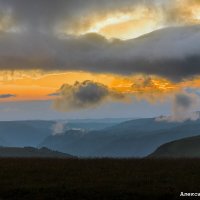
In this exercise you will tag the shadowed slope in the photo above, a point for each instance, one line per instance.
(188, 147)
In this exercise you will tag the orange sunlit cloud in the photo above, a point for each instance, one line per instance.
(187, 11)
(40, 86)
(124, 24)
(29, 86)
(131, 22)
(37, 85)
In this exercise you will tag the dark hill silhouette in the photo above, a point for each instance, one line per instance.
(186, 148)
(30, 152)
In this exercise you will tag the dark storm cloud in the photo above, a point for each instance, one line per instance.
(47, 13)
(84, 95)
(173, 53)
(4, 96)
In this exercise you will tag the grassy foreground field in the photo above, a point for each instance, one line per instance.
(97, 179)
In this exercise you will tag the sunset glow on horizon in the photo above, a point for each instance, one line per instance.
(130, 51)
(38, 86)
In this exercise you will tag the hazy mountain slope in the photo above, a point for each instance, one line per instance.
(100, 120)
(188, 147)
(93, 124)
(25, 133)
(3, 142)
(31, 133)
(90, 126)
(148, 143)
(140, 127)
(135, 138)
(31, 152)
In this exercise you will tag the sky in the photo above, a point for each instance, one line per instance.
(97, 59)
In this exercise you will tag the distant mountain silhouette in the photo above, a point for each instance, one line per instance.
(24, 133)
(33, 132)
(186, 148)
(134, 138)
(30, 152)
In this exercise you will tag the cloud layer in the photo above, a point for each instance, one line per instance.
(172, 53)
(35, 36)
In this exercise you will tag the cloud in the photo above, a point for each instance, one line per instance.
(87, 94)
(58, 128)
(34, 39)
(55, 94)
(172, 53)
(183, 108)
(183, 12)
(4, 96)
(47, 14)
(143, 82)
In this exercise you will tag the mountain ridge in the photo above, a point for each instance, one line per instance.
(134, 138)
(30, 152)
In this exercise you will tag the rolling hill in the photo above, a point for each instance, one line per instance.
(134, 138)
(184, 148)
(30, 152)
